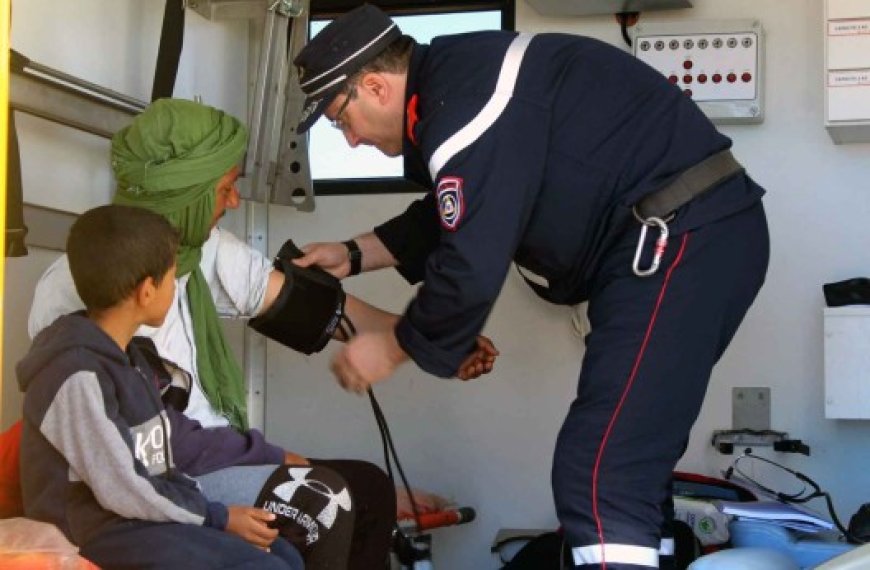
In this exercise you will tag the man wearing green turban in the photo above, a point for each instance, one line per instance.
(167, 162)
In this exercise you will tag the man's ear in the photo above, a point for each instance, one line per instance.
(376, 84)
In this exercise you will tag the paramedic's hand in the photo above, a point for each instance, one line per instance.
(291, 458)
(368, 358)
(480, 361)
(250, 524)
(331, 257)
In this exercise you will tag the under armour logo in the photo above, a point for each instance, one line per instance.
(299, 478)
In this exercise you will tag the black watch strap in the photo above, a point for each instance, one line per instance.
(354, 255)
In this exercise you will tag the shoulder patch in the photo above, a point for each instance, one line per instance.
(451, 202)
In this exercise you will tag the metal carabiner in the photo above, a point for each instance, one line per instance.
(661, 245)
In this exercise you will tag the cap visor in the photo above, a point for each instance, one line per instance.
(310, 113)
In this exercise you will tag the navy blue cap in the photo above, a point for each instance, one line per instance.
(341, 49)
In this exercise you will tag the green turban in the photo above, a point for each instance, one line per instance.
(169, 160)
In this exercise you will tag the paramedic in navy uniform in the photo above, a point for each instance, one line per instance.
(551, 151)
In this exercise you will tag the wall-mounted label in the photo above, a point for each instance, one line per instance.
(849, 27)
(852, 78)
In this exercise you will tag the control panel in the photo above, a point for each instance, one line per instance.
(718, 64)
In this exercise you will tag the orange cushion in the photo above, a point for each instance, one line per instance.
(43, 561)
(27, 544)
(10, 474)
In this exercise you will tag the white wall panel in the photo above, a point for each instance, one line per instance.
(489, 443)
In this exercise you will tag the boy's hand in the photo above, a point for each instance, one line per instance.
(250, 524)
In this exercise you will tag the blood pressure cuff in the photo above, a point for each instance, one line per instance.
(308, 308)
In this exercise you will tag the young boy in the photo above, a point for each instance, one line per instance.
(96, 453)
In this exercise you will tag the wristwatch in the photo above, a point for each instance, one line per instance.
(354, 255)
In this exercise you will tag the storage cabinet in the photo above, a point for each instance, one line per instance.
(847, 70)
(847, 362)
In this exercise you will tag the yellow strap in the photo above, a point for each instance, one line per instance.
(4, 126)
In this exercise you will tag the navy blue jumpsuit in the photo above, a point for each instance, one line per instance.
(535, 148)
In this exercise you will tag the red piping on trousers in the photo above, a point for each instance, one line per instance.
(625, 391)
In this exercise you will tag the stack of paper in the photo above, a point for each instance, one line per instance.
(775, 512)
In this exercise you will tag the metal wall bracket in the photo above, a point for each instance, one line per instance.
(725, 441)
(276, 165)
(64, 99)
(228, 9)
(242, 9)
(293, 185)
(55, 96)
(277, 159)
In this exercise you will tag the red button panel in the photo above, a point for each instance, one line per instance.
(706, 66)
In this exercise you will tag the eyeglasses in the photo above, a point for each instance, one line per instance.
(337, 122)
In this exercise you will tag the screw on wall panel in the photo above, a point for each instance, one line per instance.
(289, 8)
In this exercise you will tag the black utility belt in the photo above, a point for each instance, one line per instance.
(656, 209)
(690, 184)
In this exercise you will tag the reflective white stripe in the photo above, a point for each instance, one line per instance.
(617, 553)
(338, 79)
(345, 60)
(504, 89)
(666, 547)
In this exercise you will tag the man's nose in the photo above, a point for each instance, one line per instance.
(352, 140)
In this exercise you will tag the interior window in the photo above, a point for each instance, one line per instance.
(338, 169)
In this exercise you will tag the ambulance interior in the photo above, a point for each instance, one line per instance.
(794, 385)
